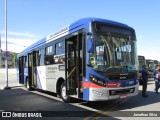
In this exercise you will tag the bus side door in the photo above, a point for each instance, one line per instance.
(74, 63)
(32, 71)
(21, 70)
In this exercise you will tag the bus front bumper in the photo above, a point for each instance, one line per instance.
(103, 94)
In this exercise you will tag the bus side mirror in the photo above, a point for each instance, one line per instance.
(90, 45)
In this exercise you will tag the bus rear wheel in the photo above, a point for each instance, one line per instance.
(66, 98)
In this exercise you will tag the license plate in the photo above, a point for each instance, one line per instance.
(123, 96)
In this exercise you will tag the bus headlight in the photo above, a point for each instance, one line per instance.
(97, 81)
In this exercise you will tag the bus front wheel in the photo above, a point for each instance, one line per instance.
(66, 98)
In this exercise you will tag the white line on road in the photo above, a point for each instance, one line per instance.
(59, 99)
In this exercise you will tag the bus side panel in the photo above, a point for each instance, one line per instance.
(53, 73)
(41, 77)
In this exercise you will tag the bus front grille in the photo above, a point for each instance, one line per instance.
(119, 77)
(121, 91)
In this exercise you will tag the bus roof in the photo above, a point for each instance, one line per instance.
(92, 19)
(72, 26)
(140, 57)
(149, 60)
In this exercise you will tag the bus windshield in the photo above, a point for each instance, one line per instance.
(141, 63)
(112, 51)
(151, 65)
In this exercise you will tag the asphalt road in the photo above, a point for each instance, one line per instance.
(21, 100)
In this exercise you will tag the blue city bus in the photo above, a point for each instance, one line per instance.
(155, 63)
(150, 67)
(141, 62)
(91, 59)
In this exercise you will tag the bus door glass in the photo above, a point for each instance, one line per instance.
(21, 70)
(32, 68)
(73, 63)
(35, 55)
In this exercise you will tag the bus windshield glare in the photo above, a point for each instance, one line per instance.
(112, 51)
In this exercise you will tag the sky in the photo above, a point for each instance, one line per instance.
(30, 20)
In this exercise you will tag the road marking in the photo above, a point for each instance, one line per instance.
(84, 107)
(46, 95)
(116, 105)
(113, 106)
(106, 113)
(43, 94)
(59, 99)
(108, 107)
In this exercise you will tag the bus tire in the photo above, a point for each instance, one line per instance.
(29, 88)
(66, 98)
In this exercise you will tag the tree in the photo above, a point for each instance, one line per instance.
(12, 62)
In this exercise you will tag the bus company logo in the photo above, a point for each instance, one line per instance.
(6, 114)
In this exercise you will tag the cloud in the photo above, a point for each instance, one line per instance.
(17, 41)
(20, 41)
(16, 44)
(13, 48)
(19, 34)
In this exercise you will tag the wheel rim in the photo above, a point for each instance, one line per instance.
(64, 95)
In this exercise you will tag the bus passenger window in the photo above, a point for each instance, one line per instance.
(41, 55)
(59, 58)
(49, 55)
